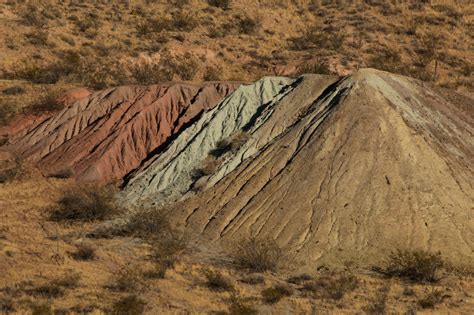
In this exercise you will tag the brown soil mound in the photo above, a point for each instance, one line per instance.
(375, 162)
(105, 135)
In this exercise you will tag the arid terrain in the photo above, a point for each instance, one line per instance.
(236, 157)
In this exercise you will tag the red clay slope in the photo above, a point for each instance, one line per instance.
(104, 136)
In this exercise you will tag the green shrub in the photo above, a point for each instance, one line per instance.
(274, 294)
(85, 203)
(258, 255)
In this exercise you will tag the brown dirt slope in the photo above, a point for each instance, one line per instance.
(375, 161)
(104, 136)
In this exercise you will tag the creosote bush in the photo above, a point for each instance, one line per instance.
(414, 265)
(258, 255)
(85, 203)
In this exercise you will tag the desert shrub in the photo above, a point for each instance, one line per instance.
(248, 25)
(217, 282)
(299, 279)
(212, 74)
(13, 90)
(31, 15)
(62, 173)
(314, 67)
(11, 174)
(332, 286)
(378, 305)
(315, 36)
(168, 249)
(414, 265)
(431, 299)
(184, 22)
(158, 271)
(7, 112)
(208, 167)
(129, 305)
(223, 4)
(44, 103)
(126, 279)
(6, 305)
(85, 203)
(84, 252)
(239, 307)
(69, 280)
(37, 73)
(41, 309)
(148, 224)
(150, 73)
(253, 279)
(258, 255)
(274, 294)
(231, 144)
(38, 38)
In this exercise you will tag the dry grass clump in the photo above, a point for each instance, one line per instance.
(258, 255)
(299, 279)
(57, 287)
(239, 306)
(253, 279)
(6, 305)
(126, 279)
(332, 286)
(130, 305)
(44, 103)
(223, 4)
(167, 245)
(231, 144)
(217, 282)
(13, 90)
(85, 203)
(378, 304)
(7, 112)
(84, 252)
(431, 299)
(413, 265)
(274, 294)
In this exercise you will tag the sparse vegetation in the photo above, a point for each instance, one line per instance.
(84, 252)
(299, 279)
(239, 307)
(7, 112)
(223, 4)
(253, 279)
(258, 255)
(126, 279)
(217, 282)
(274, 294)
(414, 265)
(378, 305)
(432, 299)
(332, 286)
(85, 203)
(129, 305)
(44, 103)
